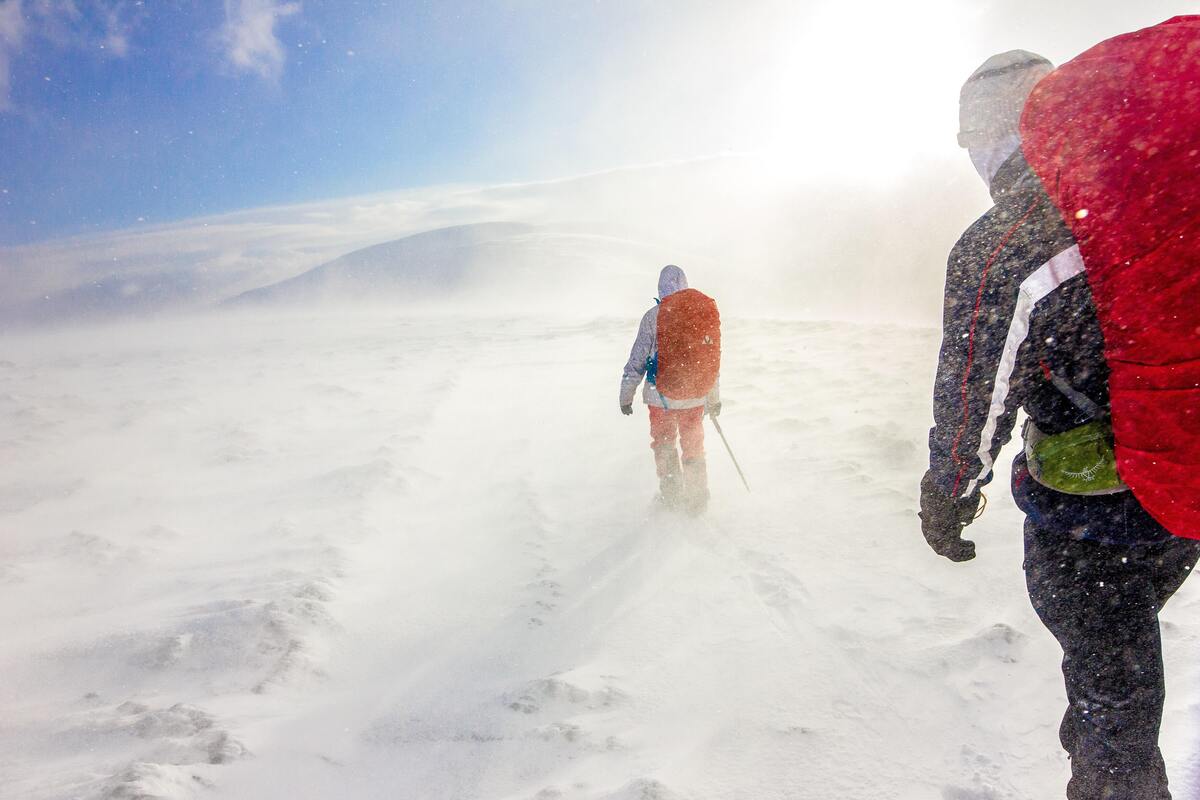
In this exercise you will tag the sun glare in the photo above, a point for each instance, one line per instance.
(860, 90)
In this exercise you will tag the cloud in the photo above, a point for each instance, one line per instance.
(249, 38)
(12, 34)
(84, 24)
(116, 33)
(65, 25)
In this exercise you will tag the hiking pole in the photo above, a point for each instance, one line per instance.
(729, 450)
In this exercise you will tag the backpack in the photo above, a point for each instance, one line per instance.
(689, 345)
(1114, 136)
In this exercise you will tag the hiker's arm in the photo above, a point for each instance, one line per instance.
(979, 385)
(635, 368)
(958, 402)
(957, 408)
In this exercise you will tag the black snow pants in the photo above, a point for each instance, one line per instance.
(1101, 602)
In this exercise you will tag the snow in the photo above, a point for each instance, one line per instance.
(371, 554)
(484, 265)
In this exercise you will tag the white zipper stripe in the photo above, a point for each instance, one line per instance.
(1046, 279)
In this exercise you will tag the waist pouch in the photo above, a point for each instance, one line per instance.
(1080, 461)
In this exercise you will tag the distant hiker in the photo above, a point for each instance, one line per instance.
(678, 352)
(1024, 329)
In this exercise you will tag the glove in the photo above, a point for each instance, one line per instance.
(714, 410)
(627, 409)
(943, 518)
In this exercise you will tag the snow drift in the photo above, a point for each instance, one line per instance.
(316, 555)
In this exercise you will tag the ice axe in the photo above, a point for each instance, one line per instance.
(729, 450)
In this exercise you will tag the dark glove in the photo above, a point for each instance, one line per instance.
(943, 518)
(714, 410)
(627, 409)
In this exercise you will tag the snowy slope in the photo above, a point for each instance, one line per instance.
(433, 262)
(494, 265)
(374, 556)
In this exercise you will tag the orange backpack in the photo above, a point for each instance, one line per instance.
(689, 345)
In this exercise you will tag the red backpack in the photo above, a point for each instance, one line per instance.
(689, 345)
(1114, 136)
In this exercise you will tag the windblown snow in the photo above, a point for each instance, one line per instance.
(376, 555)
(763, 240)
(493, 265)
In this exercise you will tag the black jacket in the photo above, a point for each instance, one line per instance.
(1018, 319)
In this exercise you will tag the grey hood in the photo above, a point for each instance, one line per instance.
(990, 106)
(670, 281)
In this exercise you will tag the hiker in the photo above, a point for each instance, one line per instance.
(1021, 331)
(678, 352)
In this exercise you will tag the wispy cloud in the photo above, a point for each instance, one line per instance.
(116, 33)
(12, 34)
(68, 25)
(86, 24)
(249, 37)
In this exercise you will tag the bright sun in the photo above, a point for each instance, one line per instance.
(858, 90)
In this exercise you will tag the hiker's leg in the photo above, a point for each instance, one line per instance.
(664, 430)
(1100, 603)
(695, 470)
(691, 432)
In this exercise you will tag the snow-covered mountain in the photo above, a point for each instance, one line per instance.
(496, 264)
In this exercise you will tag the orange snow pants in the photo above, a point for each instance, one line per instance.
(684, 424)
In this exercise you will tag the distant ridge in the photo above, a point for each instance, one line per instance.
(421, 265)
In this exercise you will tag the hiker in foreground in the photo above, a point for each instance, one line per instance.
(1027, 326)
(678, 353)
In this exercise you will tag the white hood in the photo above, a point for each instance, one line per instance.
(670, 281)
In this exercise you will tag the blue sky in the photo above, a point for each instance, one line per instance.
(114, 114)
(118, 114)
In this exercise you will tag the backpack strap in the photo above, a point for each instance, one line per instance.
(1078, 399)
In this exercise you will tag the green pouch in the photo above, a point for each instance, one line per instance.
(1078, 461)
